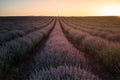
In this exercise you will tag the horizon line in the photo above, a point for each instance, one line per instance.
(59, 16)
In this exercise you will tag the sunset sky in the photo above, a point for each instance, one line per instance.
(60, 7)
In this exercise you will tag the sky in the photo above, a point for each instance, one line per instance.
(59, 7)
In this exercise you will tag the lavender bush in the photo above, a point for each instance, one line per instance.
(62, 73)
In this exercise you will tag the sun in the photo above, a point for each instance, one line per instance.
(110, 10)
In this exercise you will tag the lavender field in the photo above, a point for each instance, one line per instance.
(59, 48)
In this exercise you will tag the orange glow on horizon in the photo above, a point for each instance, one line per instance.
(59, 7)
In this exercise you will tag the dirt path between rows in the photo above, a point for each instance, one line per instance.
(58, 51)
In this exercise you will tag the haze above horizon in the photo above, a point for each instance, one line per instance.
(59, 7)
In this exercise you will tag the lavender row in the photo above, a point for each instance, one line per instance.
(19, 33)
(16, 49)
(108, 24)
(103, 34)
(107, 52)
(9, 24)
(58, 59)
